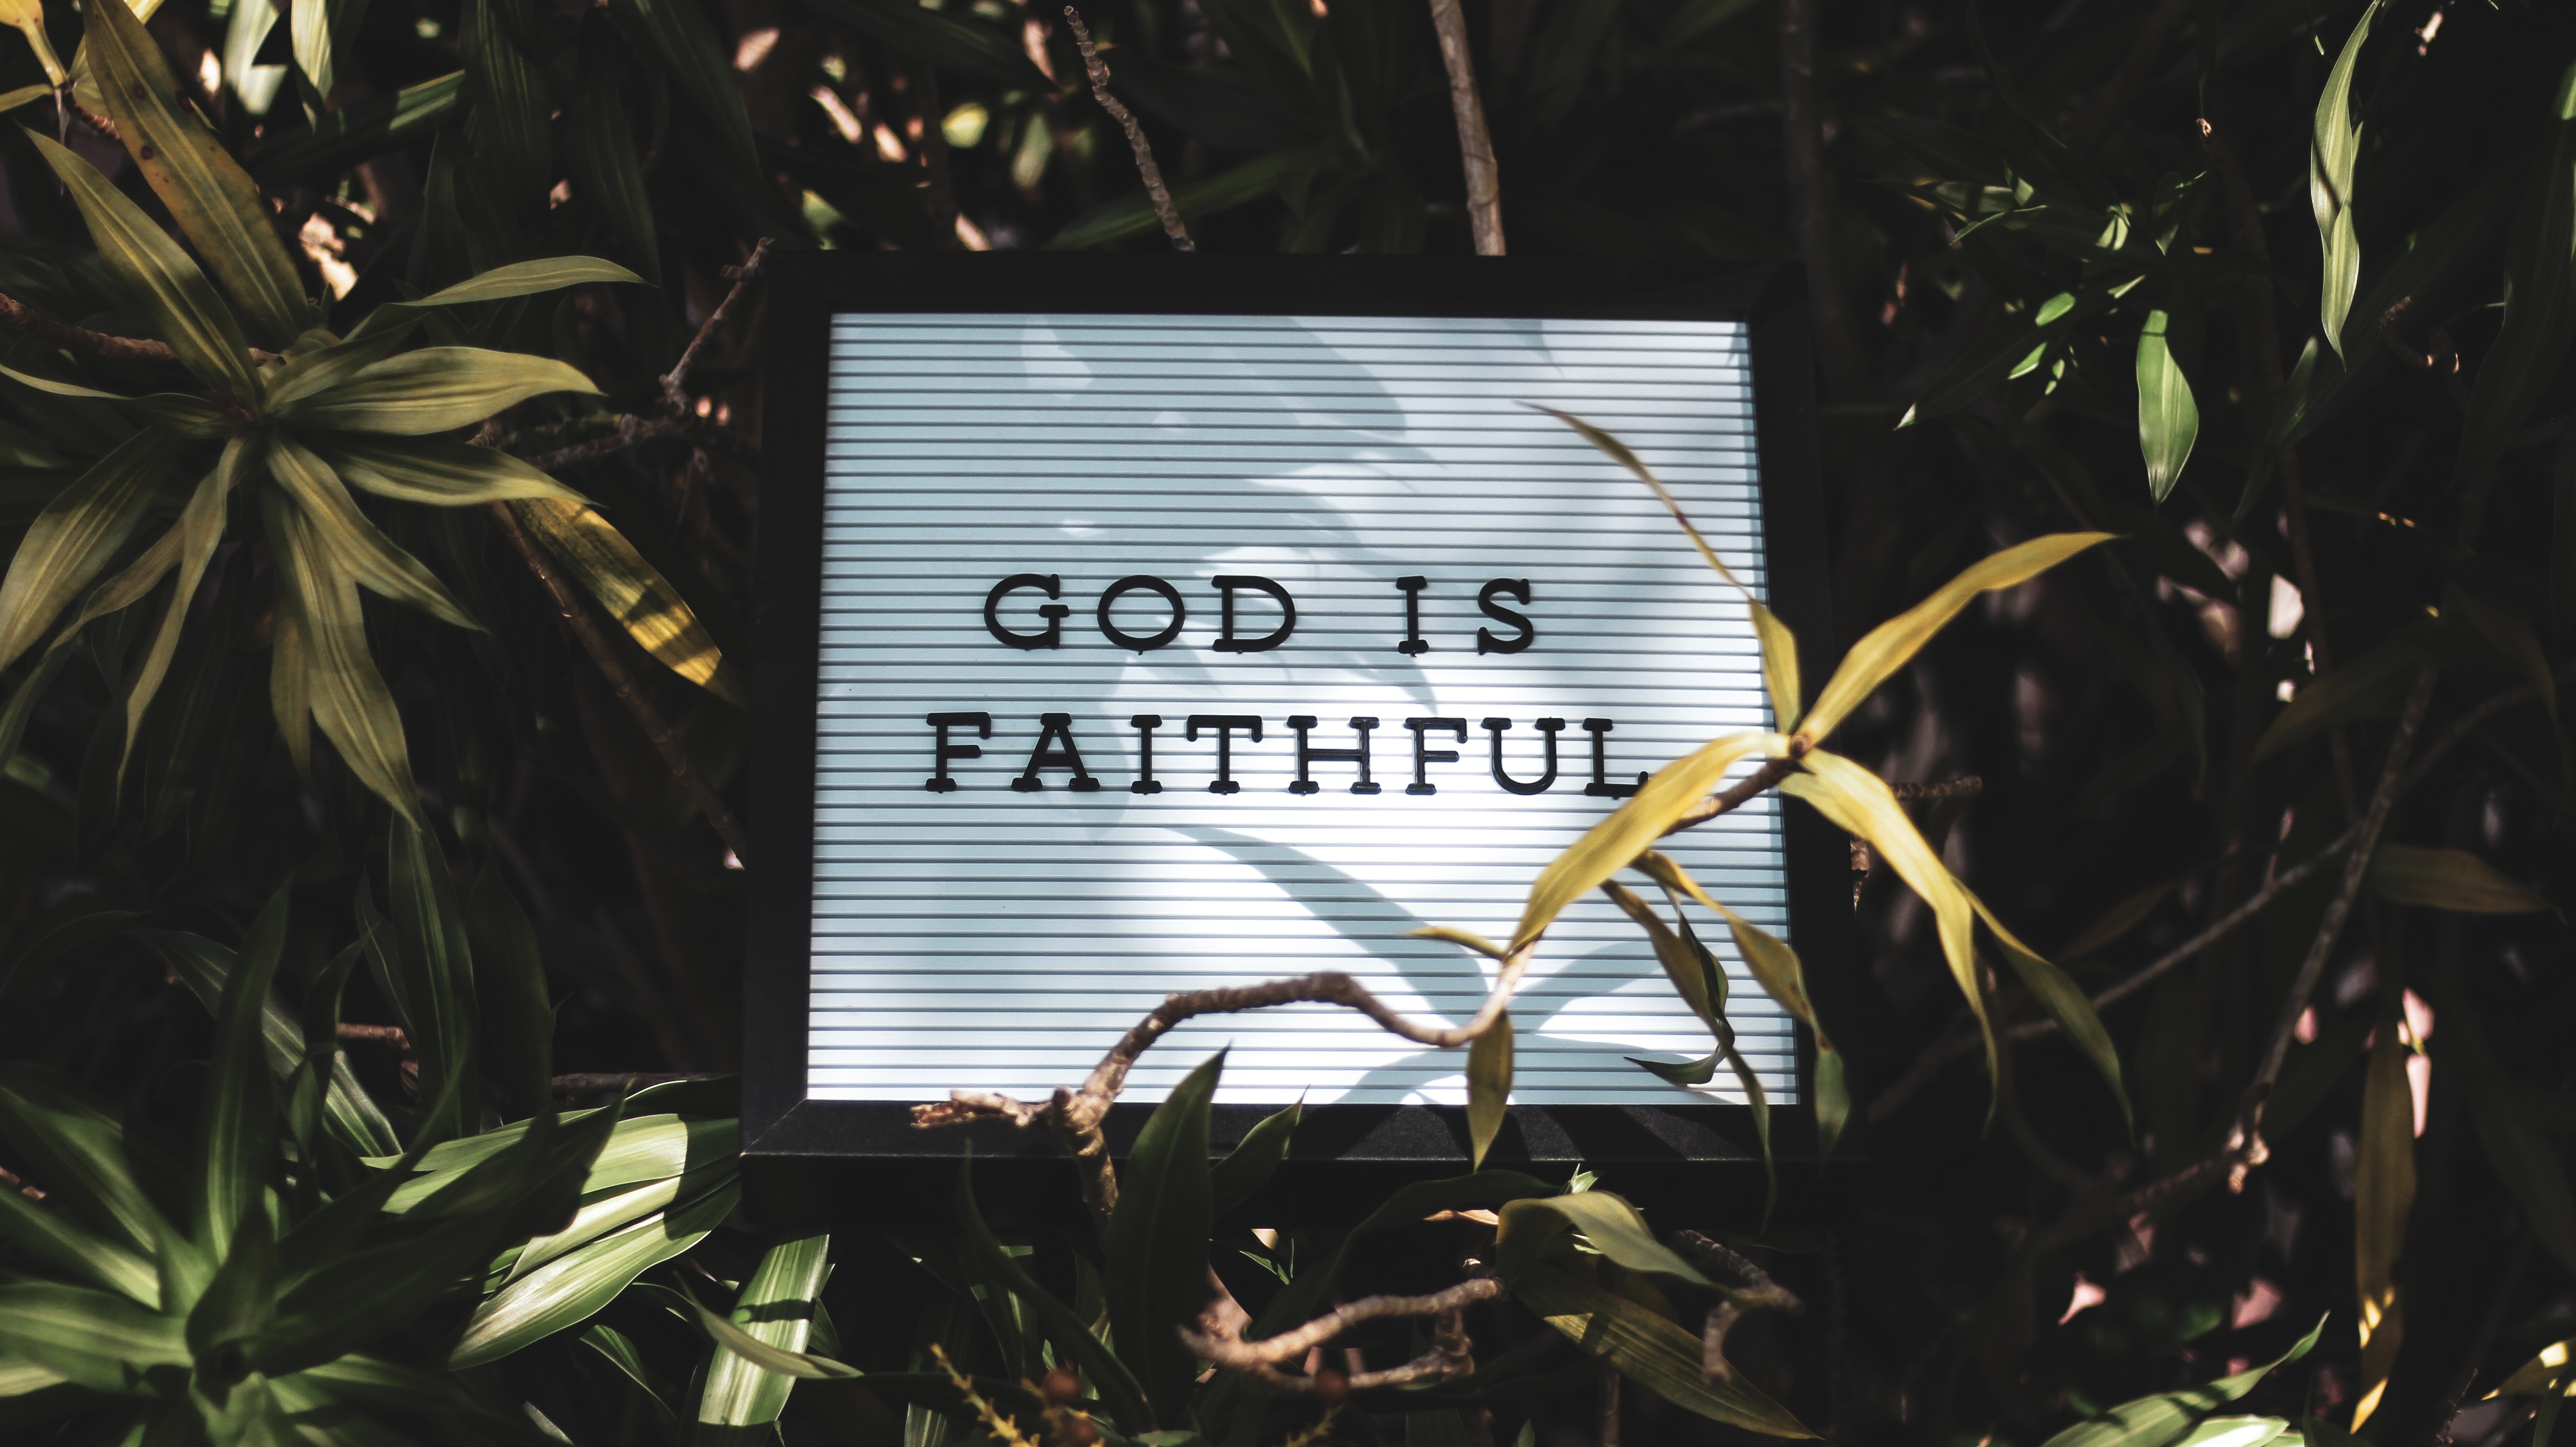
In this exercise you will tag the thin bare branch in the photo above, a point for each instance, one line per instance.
(1735, 796)
(388, 1035)
(80, 339)
(675, 385)
(595, 642)
(1475, 143)
(1296, 1342)
(1098, 70)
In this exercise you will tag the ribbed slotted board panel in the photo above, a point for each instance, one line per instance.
(998, 939)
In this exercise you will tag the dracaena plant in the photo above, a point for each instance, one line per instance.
(280, 424)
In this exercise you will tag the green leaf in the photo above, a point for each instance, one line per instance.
(2064, 1002)
(81, 1153)
(50, 1236)
(438, 471)
(1833, 1099)
(2167, 1417)
(510, 978)
(2168, 418)
(1156, 1242)
(76, 535)
(159, 280)
(1108, 1376)
(635, 593)
(240, 1304)
(620, 1352)
(1489, 1086)
(345, 137)
(204, 967)
(1248, 1167)
(434, 958)
(2015, 348)
(2451, 879)
(235, 1145)
(102, 1342)
(1647, 1349)
(2333, 146)
(606, 169)
(678, 34)
(188, 416)
(1614, 1228)
(217, 205)
(509, 118)
(2355, 689)
(200, 528)
(1134, 215)
(359, 550)
(960, 47)
(395, 320)
(320, 29)
(739, 1344)
(776, 1308)
(2383, 1200)
(573, 1289)
(1616, 842)
(320, 664)
(435, 389)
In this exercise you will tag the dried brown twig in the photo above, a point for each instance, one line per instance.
(1289, 1345)
(80, 339)
(1475, 142)
(675, 384)
(1161, 196)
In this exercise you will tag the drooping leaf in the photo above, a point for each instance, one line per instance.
(739, 1343)
(2545, 1373)
(2058, 995)
(75, 537)
(320, 667)
(776, 1308)
(438, 471)
(359, 550)
(635, 594)
(1635, 825)
(1649, 1350)
(2333, 146)
(185, 415)
(1156, 1242)
(235, 1147)
(2452, 879)
(1489, 1086)
(2353, 690)
(199, 529)
(1892, 644)
(2168, 417)
(213, 199)
(435, 389)
(160, 281)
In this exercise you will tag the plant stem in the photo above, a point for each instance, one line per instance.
(1161, 196)
(1475, 143)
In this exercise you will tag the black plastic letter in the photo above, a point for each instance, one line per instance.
(1052, 727)
(1412, 588)
(1146, 783)
(1053, 613)
(1549, 727)
(1226, 642)
(1224, 724)
(1423, 756)
(1308, 756)
(1146, 643)
(941, 750)
(1601, 787)
(1518, 588)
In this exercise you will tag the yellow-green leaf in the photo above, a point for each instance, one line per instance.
(2451, 879)
(164, 285)
(1647, 1349)
(75, 536)
(215, 202)
(435, 389)
(2383, 1198)
(435, 470)
(358, 550)
(1619, 452)
(1893, 644)
(2352, 690)
(2546, 1372)
(2333, 145)
(1608, 1222)
(519, 278)
(1489, 1086)
(2058, 995)
(188, 416)
(1861, 804)
(28, 17)
(641, 600)
(1612, 844)
(199, 529)
(1779, 665)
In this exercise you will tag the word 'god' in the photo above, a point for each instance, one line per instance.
(1231, 733)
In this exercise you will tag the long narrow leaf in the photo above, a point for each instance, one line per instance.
(635, 594)
(1609, 846)
(776, 1308)
(75, 537)
(359, 550)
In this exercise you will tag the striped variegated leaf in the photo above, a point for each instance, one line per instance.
(358, 549)
(336, 678)
(573, 1288)
(434, 470)
(199, 529)
(435, 389)
(776, 1308)
(75, 536)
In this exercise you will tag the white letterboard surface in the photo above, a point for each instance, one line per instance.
(973, 934)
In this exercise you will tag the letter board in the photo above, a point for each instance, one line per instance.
(1160, 644)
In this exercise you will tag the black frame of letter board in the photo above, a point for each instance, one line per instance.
(813, 1151)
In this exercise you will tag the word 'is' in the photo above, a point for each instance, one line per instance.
(1056, 749)
(1488, 601)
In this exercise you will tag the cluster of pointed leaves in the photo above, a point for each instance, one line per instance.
(280, 439)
